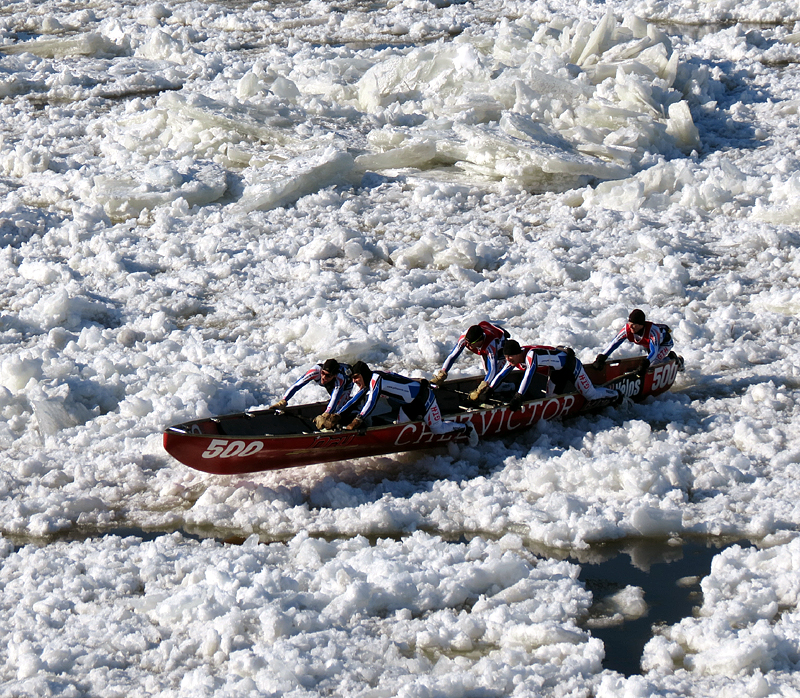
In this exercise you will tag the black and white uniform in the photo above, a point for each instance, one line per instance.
(339, 389)
(414, 398)
(564, 365)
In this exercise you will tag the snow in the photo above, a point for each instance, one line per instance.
(201, 199)
(279, 616)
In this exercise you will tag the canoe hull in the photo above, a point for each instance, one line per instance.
(247, 442)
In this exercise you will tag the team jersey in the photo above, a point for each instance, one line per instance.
(533, 357)
(394, 387)
(653, 338)
(557, 360)
(489, 349)
(339, 389)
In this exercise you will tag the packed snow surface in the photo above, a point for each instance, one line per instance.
(199, 200)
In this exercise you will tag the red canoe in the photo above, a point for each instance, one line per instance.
(268, 440)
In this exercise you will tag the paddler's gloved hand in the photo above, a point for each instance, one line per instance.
(515, 402)
(438, 377)
(643, 370)
(599, 362)
(279, 405)
(481, 392)
(355, 424)
(326, 420)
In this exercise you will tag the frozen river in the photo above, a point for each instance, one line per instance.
(201, 200)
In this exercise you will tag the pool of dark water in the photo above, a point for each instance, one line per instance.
(669, 574)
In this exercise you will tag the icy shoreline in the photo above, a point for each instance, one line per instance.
(199, 200)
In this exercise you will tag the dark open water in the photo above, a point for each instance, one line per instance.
(670, 576)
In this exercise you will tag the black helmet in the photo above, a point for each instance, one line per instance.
(361, 369)
(474, 334)
(512, 347)
(331, 366)
(636, 317)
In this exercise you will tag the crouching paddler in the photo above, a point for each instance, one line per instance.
(564, 367)
(335, 377)
(413, 398)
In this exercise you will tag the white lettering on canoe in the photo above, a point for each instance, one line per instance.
(492, 421)
(629, 387)
(406, 435)
(254, 447)
(222, 448)
(664, 376)
(552, 408)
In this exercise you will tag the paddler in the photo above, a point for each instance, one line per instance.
(655, 338)
(332, 375)
(413, 397)
(484, 339)
(564, 367)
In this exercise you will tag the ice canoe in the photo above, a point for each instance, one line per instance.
(261, 440)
